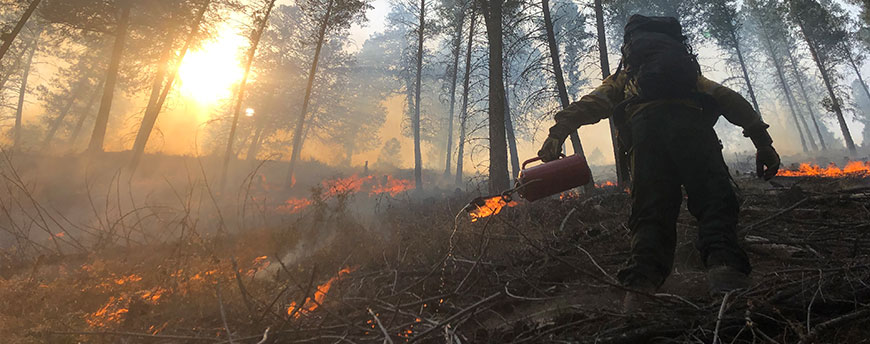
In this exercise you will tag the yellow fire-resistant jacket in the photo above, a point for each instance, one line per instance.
(600, 104)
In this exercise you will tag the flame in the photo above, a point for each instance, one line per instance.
(852, 169)
(490, 206)
(606, 184)
(128, 279)
(294, 205)
(320, 292)
(348, 186)
(110, 314)
(152, 296)
(391, 186)
(259, 264)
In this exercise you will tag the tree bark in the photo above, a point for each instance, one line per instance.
(509, 128)
(156, 104)
(622, 173)
(498, 166)
(17, 29)
(847, 136)
(99, 134)
(418, 83)
(463, 115)
(560, 79)
(454, 74)
(25, 74)
(298, 132)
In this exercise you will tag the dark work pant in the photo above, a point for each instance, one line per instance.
(674, 146)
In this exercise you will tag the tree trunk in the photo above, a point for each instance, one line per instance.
(463, 115)
(454, 73)
(746, 79)
(560, 79)
(254, 148)
(18, 26)
(240, 96)
(150, 117)
(8, 73)
(298, 132)
(509, 127)
(557, 71)
(418, 83)
(806, 98)
(25, 74)
(622, 174)
(155, 104)
(74, 135)
(498, 166)
(99, 134)
(75, 93)
(847, 136)
(857, 70)
(774, 57)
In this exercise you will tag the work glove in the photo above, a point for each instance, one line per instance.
(766, 162)
(551, 150)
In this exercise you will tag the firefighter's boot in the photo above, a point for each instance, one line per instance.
(723, 279)
(639, 302)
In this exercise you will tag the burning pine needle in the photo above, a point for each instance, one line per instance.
(483, 207)
(311, 304)
(852, 169)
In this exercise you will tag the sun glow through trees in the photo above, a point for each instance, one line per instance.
(210, 73)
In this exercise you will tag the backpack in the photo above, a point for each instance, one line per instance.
(656, 58)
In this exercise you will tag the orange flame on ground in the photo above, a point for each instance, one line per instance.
(391, 186)
(852, 169)
(153, 296)
(260, 263)
(351, 185)
(110, 314)
(491, 206)
(128, 279)
(311, 304)
(294, 205)
(606, 184)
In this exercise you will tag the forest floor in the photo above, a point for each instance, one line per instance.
(419, 270)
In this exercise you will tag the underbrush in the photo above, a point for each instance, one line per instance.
(417, 269)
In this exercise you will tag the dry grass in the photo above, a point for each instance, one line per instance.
(538, 272)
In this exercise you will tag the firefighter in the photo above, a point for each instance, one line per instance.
(664, 111)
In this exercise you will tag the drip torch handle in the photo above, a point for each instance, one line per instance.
(537, 158)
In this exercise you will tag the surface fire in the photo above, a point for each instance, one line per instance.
(371, 185)
(320, 292)
(852, 169)
(489, 206)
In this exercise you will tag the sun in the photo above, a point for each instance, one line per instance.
(207, 75)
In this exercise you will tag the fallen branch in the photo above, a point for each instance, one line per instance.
(129, 334)
(454, 316)
(771, 217)
(387, 338)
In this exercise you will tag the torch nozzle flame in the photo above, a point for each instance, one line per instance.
(487, 206)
